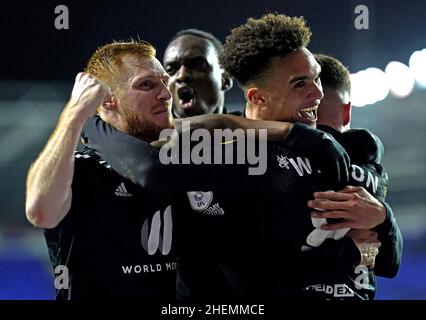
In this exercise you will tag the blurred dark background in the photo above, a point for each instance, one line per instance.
(38, 64)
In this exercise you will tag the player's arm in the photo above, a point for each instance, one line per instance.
(276, 131)
(358, 209)
(354, 206)
(140, 162)
(389, 258)
(48, 188)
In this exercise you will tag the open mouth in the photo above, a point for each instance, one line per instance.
(310, 114)
(186, 97)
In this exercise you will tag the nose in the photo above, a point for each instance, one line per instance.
(317, 92)
(165, 93)
(183, 74)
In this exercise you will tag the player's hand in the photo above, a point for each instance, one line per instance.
(354, 206)
(87, 95)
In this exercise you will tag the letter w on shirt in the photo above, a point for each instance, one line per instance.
(301, 165)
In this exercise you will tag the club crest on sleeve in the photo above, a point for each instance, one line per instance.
(199, 200)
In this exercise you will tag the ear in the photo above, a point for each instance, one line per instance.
(254, 96)
(347, 113)
(110, 103)
(226, 81)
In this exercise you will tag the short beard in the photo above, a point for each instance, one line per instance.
(141, 129)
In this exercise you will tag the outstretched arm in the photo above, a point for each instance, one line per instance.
(48, 193)
(277, 131)
(140, 162)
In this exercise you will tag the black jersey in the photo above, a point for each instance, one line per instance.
(245, 243)
(337, 280)
(366, 152)
(116, 240)
(238, 237)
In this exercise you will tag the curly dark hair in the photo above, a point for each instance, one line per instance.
(249, 48)
(334, 74)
